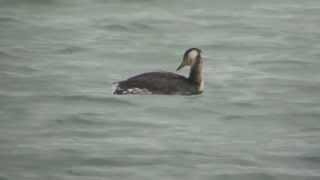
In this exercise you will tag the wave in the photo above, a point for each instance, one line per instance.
(125, 27)
(71, 49)
(9, 20)
(110, 100)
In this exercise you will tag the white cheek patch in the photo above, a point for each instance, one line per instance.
(193, 54)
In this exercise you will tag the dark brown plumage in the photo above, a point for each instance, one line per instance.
(167, 82)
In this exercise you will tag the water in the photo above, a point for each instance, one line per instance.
(257, 119)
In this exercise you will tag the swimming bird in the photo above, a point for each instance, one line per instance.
(167, 82)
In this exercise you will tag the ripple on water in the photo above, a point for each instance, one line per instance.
(4, 178)
(126, 27)
(279, 62)
(101, 99)
(246, 176)
(78, 119)
(112, 120)
(9, 20)
(71, 49)
(4, 54)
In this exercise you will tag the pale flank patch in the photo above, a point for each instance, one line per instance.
(118, 90)
(138, 91)
(114, 87)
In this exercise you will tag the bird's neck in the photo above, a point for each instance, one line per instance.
(195, 75)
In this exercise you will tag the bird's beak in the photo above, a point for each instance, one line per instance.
(181, 66)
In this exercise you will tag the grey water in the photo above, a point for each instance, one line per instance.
(258, 117)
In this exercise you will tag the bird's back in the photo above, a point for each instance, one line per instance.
(156, 83)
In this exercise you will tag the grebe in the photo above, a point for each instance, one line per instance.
(167, 82)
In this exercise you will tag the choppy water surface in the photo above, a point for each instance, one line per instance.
(257, 119)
